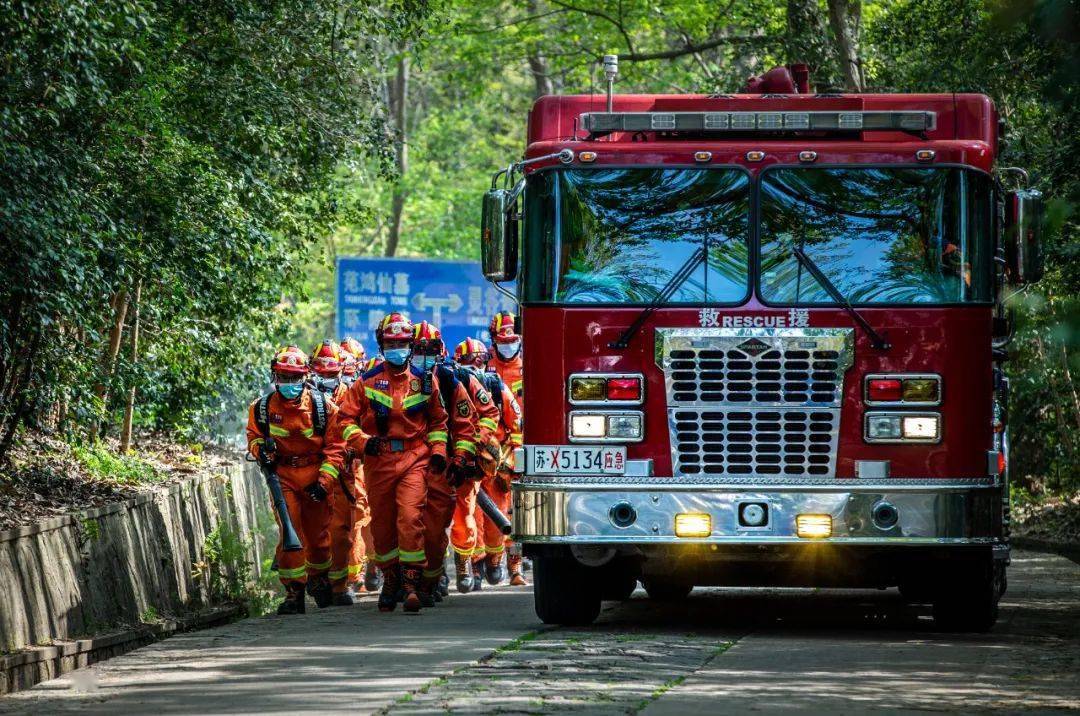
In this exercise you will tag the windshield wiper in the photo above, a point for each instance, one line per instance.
(677, 279)
(876, 339)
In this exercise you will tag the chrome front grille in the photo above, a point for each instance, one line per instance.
(763, 401)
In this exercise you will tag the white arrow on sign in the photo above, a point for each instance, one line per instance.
(423, 302)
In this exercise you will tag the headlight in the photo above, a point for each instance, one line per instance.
(627, 427)
(614, 426)
(607, 389)
(587, 426)
(903, 389)
(921, 390)
(903, 428)
(587, 388)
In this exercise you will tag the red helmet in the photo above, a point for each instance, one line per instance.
(289, 360)
(326, 359)
(503, 327)
(470, 352)
(373, 362)
(394, 327)
(354, 355)
(427, 339)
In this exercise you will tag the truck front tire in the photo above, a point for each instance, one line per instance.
(564, 591)
(969, 601)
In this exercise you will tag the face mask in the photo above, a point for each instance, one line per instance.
(508, 350)
(423, 362)
(290, 391)
(397, 356)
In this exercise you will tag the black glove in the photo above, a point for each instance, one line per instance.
(376, 446)
(316, 491)
(437, 464)
(267, 455)
(463, 469)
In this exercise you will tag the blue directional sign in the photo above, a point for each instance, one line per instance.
(451, 294)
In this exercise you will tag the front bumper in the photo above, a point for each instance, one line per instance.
(580, 510)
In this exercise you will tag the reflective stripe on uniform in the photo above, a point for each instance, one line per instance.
(437, 436)
(414, 399)
(494, 550)
(464, 551)
(392, 554)
(379, 397)
(466, 445)
(407, 556)
(291, 573)
(516, 437)
(256, 441)
(349, 431)
(308, 432)
(338, 574)
(432, 572)
(278, 432)
(355, 569)
(489, 424)
(329, 469)
(318, 567)
(516, 386)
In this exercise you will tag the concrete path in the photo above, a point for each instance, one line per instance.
(721, 651)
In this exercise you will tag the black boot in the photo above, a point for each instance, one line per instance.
(320, 590)
(494, 568)
(478, 575)
(410, 582)
(426, 591)
(372, 577)
(343, 599)
(294, 599)
(442, 589)
(463, 572)
(391, 585)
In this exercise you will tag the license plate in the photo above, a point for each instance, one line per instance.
(577, 459)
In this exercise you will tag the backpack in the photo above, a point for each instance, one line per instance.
(318, 413)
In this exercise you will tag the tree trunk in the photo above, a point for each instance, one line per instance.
(108, 365)
(845, 17)
(129, 409)
(805, 38)
(16, 416)
(538, 64)
(399, 99)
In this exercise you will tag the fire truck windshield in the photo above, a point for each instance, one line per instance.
(614, 235)
(881, 235)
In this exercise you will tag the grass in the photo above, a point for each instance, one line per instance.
(103, 464)
(517, 643)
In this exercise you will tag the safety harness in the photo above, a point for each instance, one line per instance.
(318, 413)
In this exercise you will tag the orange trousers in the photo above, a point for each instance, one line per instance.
(310, 519)
(463, 533)
(438, 513)
(397, 490)
(494, 541)
(346, 555)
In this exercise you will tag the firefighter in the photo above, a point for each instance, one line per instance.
(355, 357)
(368, 578)
(347, 498)
(428, 351)
(464, 531)
(401, 432)
(294, 431)
(472, 354)
(505, 355)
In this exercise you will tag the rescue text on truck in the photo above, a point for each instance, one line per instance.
(763, 341)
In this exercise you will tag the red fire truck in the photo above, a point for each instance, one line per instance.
(763, 341)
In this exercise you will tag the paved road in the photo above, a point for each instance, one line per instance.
(720, 651)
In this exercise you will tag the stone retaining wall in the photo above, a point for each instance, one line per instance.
(131, 571)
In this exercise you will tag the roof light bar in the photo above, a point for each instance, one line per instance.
(913, 121)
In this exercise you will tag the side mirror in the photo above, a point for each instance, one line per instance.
(1023, 236)
(499, 235)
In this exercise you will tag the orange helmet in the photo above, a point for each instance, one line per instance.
(394, 327)
(427, 339)
(354, 355)
(289, 360)
(327, 360)
(470, 352)
(503, 327)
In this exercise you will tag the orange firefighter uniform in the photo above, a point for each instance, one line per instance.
(464, 532)
(303, 458)
(410, 426)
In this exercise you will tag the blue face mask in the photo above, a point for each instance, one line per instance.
(423, 362)
(397, 356)
(290, 391)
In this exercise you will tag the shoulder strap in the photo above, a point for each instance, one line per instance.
(262, 415)
(447, 385)
(318, 412)
(494, 385)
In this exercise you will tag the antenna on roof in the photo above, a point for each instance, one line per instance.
(611, 70)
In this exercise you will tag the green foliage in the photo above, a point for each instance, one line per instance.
(103, 464)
